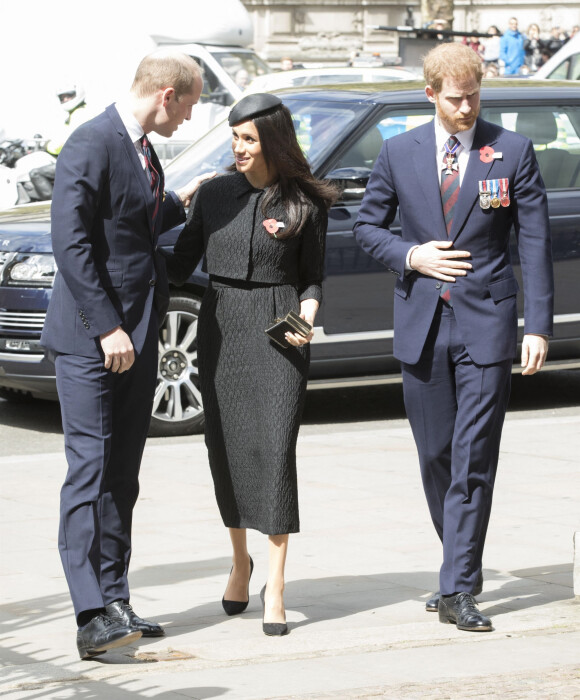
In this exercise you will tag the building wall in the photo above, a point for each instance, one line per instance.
(319, 32)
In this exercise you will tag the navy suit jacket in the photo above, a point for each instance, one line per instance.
(104, 240)
(484, 302)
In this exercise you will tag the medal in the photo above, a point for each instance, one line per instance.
(494, 192)
(484, 195)
(450, 161)
(504, 192)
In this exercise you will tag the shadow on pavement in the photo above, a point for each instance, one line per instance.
(558, 389)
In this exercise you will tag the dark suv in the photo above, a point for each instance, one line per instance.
(341, 130)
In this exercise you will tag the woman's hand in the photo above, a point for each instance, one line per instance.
(186, 193)
(308, 309)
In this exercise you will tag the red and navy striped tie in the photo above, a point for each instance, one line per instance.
(152, 174)
(449, 195)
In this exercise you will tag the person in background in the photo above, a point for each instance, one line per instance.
(262, 229)
(533, 46)
(556, 40)
(491, 71)
(242, 78)
(286, 63)
(110, 295)
(72, 99)
(491, 48)
(512, 49)
(456, 302)
(474, 44)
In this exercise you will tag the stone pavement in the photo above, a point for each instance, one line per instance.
(357, 578)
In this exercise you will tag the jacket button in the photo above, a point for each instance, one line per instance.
(438, 285)
(151, 283)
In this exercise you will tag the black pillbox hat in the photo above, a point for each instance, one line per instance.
(252, 106)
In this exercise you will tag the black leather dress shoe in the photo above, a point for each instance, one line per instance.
(235, 607)
(103, 633)
(122, 612)
(461, 610)
(432, 605)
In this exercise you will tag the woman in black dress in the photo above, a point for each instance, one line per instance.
(262, 229)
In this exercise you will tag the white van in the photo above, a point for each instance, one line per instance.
(219, 41)
(564, 64)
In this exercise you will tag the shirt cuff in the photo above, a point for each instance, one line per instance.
(408, 267)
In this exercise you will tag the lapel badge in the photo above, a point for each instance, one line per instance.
(272, 226)
(486, 154)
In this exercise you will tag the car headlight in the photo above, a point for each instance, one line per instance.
(32, 270)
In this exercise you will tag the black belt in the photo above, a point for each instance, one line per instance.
(216, 281)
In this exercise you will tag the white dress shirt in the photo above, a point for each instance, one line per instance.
(465, 139)
(134, 129)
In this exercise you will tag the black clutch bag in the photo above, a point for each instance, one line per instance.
(290, 323)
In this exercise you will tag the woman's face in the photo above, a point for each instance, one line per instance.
(248, 153)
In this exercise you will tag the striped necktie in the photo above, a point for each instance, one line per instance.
(152, 174)
(449, 195)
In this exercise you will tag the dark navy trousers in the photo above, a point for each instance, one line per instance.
(456, 409)
(105, 418)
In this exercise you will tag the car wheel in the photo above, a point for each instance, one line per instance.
(177, 405)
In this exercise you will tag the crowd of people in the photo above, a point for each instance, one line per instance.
(516, 53)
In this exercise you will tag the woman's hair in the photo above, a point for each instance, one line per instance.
(296, 188)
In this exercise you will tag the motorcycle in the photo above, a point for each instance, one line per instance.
(18, 159)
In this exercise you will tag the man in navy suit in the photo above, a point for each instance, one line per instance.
(109, 296)
(460, 184)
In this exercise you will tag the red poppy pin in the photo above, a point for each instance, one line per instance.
(486, 154)
(272, 226)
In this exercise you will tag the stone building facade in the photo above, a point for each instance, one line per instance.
(322, 32)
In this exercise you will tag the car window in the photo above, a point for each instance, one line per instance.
(554, 133)
(575, 67)
(363, 153)
(569, 69)
(211, 84)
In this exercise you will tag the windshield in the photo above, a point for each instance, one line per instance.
(319, 126)
(234, 63)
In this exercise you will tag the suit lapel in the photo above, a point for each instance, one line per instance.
(138, 170)
(485, 135)
(427, 175)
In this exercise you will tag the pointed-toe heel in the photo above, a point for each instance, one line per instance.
(271, 629)
(235, 607)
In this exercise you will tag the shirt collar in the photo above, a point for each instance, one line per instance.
(465, 138)
(134, 129)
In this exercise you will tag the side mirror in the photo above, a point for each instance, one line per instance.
(351, 181)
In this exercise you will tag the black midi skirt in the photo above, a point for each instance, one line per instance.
(253, 395)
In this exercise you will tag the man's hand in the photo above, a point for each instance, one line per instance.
(187, 192)
(534, 351)
(435, 259)
(118, 349)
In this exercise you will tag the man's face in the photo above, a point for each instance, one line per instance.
(513, 25)
(176, 110)
(457, 104)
